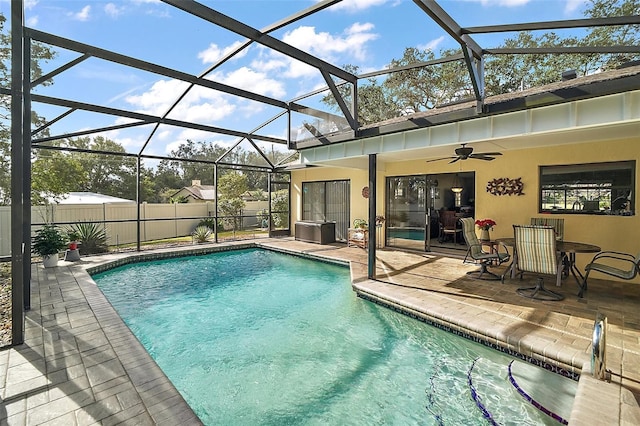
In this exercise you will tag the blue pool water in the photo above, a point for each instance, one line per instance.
(256, 337)
(407, 233)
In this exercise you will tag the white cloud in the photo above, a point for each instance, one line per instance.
(505, 3)
(200, 105)
(213, 53)
(351, 43)
(356, 5)
(32, 21)
(30, 4)
(432, 44)
(83, 15)
(572, 6)
(253, 81)
(113, 10)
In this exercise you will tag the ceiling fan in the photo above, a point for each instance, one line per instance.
(465, 152)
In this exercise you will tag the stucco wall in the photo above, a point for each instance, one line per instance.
(621, 233)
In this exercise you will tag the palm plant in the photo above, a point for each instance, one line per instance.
(92, 237)
(202, 234)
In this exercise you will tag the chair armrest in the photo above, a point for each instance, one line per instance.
(614, 255)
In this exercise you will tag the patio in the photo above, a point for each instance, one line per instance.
(80, 364)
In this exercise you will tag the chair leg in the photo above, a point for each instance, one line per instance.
(483, 270)
(539, 292)
(583, 286)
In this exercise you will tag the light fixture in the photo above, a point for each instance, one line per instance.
(456, 186)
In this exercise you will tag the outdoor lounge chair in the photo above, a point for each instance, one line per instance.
(475, 253)
(615, 262)
(536, 252)
(556, 223)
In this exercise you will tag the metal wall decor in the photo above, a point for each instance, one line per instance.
(505, 186)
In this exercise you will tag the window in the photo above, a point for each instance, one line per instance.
(598, 188)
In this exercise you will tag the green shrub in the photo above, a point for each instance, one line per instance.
(48, 240)
(209, 222)
(92, 237)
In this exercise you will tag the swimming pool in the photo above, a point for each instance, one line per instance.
(258, 337)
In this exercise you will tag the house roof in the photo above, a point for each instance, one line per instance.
(200, 192)
(90, 198)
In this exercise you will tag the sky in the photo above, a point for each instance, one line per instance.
(366, 33)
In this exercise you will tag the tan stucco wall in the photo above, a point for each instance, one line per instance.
(620, 233)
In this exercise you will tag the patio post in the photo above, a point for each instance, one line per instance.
(18, 244)
(371, 261)
(26, 170)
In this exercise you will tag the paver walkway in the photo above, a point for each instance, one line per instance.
(81, 365)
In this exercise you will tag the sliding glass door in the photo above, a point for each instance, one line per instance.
(327, 201)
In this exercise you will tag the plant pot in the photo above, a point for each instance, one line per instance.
(50, 260)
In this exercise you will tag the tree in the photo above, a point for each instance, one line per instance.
(54, 173)
(39, 54)
(113, 175)
(419, 89)
(231, 187)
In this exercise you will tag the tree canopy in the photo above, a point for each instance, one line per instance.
(422, 88)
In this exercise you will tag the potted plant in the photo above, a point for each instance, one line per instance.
(485, 226)
(73, 237)
(360, 224)
(47, 243)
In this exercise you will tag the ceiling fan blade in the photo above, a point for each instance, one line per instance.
(439, 159)
(454, 160)
(482, 157)
(486, 153)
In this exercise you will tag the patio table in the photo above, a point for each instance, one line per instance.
(567, 249)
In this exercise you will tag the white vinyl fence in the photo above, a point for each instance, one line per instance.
(162, 220)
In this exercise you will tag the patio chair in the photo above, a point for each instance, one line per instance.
(449, 226)
(614, 263)
(556, 223)
(536, 252)
(475, 253)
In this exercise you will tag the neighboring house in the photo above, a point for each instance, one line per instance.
(196, 193)
(89, 198)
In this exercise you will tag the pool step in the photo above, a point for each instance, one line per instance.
(487, 395)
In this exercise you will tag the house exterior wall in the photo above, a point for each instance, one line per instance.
(620, 233)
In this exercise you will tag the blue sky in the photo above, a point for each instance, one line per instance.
(367, 33)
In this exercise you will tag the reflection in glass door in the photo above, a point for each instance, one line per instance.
(406, 207)
(414, 205)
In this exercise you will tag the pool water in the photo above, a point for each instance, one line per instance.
(407, 233)
(258, 337)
